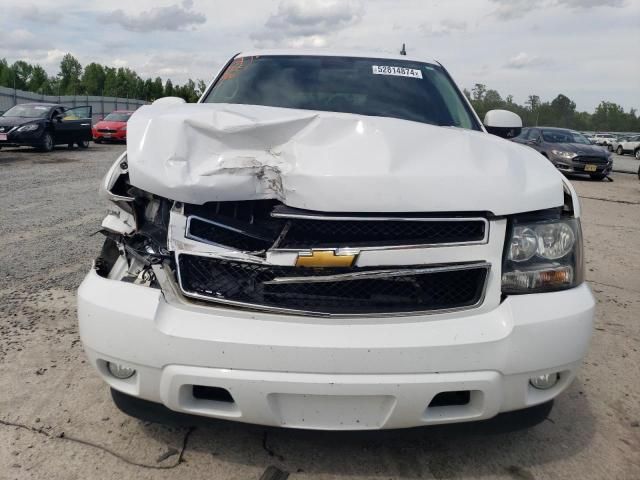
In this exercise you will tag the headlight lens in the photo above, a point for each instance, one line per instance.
(542, 256)
(560, 153)
(555, 240)
(28, 128)
(524, 244)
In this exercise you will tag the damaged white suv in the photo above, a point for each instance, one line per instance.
(334, 241)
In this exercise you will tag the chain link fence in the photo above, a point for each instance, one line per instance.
(102, 106)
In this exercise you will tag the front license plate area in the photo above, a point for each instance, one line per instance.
(3, 137)
(590, 168)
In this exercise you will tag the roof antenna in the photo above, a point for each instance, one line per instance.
(404, 50)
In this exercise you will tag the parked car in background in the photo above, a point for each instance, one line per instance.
(274, 255)
(44, 125)
(568, 150)
(616, 143)
(112, 127)
(630, 145)
(603, 139)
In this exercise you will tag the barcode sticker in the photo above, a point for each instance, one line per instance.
(396, 71)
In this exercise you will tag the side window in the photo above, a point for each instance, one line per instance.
(523, 134)
(534, 134)
(69, 115)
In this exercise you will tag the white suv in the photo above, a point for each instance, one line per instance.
(630, 145)
(604, 139)
(330, 241)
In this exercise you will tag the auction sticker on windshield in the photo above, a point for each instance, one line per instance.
(396, 71)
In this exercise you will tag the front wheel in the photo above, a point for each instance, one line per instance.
(620, 151)
(47, 142)
(83, 144)
(598, 176)
(610, 148)
(638, 154)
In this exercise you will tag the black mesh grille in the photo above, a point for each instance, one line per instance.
(331, 233)
(590, 159)
(228, 236)
(250, 284)
(248, 232)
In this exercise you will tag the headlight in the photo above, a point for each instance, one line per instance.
(124, 127)
(28, 128)
(562, 154)
(542, 256)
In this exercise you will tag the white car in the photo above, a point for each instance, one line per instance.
(334, 241)
(604, 139)
(630, 145)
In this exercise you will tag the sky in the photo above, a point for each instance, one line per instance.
(585, 49)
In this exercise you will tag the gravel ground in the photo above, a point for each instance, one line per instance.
(57, 420)
(625, 163)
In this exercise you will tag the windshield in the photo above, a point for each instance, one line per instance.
(27, 111)
(117, 117)
(366, 86)
(564, 136)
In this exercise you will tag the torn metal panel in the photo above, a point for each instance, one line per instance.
(331, 162)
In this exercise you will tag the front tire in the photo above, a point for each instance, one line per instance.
(83, 144)
(610, 147)
(637, 154)
(47, 142)
(620, 151)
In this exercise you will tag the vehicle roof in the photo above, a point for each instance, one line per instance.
(556, 128)
(320, 52)
(41, 104)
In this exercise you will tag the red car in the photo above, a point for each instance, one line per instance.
(113, 127)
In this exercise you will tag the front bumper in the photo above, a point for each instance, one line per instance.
(569, 166)
(27, 139)
(333, 374)
(119, 135)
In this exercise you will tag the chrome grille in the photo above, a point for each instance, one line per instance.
(247, 229)
(333, 291)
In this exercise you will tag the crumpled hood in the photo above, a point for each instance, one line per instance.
(332, 162)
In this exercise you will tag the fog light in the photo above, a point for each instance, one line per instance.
(544, 382)
(120, 371)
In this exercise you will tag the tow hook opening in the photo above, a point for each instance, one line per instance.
(217, 394)
(450, 399)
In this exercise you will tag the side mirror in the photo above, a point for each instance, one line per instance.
(59, 118)
(503, 123)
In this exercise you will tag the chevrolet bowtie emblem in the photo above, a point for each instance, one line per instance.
(326, 258)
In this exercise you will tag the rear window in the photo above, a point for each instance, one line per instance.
(415, 91)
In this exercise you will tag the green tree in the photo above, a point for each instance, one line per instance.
(157, 90)
(110, 82)
(563, 109)
(93, 79)
(39, 81)
(168, 88)
(70, 73)
(22, 71)
(479, 90)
